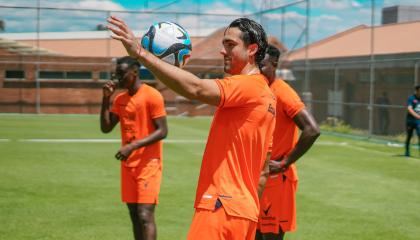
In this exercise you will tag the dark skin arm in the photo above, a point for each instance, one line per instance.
(310, 132)
(161, 131)
(108, 119)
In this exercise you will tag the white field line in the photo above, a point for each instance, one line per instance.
(345, 144)
(98, 140)
(180, 141)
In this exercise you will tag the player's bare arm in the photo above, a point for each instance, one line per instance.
(310, 132)
(264, 175)
(161, 131)
(412, 112)
(181, 81)
(108, 119)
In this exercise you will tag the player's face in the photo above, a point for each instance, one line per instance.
(234, 51)
(269, 65)
(125, 75)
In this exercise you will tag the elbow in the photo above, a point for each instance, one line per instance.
(314, 132)
(163, 133)
(105, 129)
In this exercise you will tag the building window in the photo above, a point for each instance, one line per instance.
(104, 76)
(65, 75)
(51, 75)
(15, 74)
(79, 75)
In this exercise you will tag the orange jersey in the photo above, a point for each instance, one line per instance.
(237, 146)
(136, 114)
(286, 132)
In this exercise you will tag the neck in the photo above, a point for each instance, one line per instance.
(271, 80)
(134, 88)
(250, 69)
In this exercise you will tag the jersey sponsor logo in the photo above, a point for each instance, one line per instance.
(267, 209)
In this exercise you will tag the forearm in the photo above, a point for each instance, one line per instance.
(180, 81)
(305, 142)
(105, 116)
(157, 135)
(413, 113)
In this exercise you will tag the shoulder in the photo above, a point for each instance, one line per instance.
(120, 96)
(282, 90)
(151, 91)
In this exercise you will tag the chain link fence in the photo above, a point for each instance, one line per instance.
(39, 75)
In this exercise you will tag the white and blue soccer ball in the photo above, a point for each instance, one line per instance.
(169, 42)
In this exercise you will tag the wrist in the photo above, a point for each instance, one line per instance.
(140, 54)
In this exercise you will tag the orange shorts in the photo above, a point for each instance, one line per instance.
(217, 225)
(141, 184)
(278, 205)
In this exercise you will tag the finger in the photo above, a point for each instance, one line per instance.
(117, 31)
(116, 18)
(119, 20)
(119, 23)
(119, 38)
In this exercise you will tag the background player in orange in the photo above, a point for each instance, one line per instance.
(227, 204)
(141, 113)
(278, 210)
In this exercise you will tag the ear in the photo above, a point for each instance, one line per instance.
(252, 49)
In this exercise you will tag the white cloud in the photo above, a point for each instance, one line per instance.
(87, 4)
(389, 3)
(329, 18)
(221, 8)
(356, 4)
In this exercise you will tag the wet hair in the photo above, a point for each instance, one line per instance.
(272, 51)
(252, 32)
(417, 87)
(131, 62)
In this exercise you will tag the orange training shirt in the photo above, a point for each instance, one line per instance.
(237, 146)
(136, 114)
(286, 132)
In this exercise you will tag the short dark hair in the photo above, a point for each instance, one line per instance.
(273, 51)
(252, 32)
(131, 62)
(417, 87)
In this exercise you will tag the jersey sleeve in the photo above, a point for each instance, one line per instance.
(156, 105)
(235, 91)
(291, 102)
(410, 102)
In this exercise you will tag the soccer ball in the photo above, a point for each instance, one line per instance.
(169, 42)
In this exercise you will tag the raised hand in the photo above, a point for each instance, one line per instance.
(124, 34)
(108, 89)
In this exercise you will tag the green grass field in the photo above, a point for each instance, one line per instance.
(349, 189)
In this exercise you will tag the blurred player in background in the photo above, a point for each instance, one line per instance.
(141, 113)
(227, 204)
(278, 210)
(413, 118)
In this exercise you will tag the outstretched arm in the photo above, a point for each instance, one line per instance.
(181, 81)
(161, 131)
(310, 132)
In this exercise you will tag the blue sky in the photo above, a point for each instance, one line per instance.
(327, 17)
